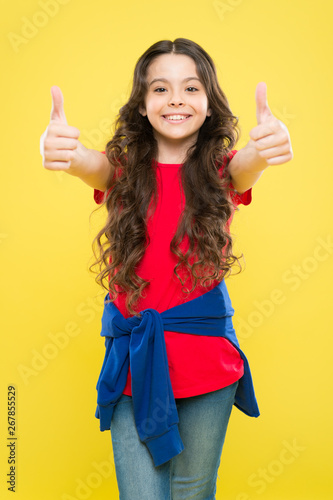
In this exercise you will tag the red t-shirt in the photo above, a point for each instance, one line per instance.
(197, 364)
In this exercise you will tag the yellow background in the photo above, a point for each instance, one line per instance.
(283, 299)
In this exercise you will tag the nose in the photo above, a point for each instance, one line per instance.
(176, 101)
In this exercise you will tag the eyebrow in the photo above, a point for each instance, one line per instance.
(165, 80)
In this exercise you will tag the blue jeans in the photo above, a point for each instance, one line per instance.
(192, 474)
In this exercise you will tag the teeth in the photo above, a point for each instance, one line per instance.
(176, 117)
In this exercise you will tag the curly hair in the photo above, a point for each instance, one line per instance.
(132, 190)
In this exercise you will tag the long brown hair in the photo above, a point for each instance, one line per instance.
(121, 243)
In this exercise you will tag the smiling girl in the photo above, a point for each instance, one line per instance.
(170, 180)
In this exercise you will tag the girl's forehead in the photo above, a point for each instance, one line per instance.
(172, 65)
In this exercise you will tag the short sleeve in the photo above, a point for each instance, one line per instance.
(99, 196)
(243, 198)
(237, 198)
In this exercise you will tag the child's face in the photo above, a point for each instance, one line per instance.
(176, 103)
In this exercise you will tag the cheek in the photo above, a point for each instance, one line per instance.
(201, 106)
(203, 111)
(153, 106)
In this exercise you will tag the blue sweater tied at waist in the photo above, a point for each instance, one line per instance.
(139, 342)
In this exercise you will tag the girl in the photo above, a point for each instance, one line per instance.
(171, 181)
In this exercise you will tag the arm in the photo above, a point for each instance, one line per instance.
(93, 168)
(61, 149)
(269, 145)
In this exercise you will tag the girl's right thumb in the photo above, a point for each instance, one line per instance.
(57, 112)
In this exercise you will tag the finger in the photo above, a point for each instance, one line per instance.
(57, 165)
(57, 112)
(279, 160)
(262, 110)
(60, 143)
(271, 141)
(269, 153)
(263, 130)
(57, 129)
(63, 155)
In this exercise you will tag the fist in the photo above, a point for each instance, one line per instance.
(59, 144)
(270, 137)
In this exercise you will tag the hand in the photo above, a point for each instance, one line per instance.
(270, 137)
(59, 144)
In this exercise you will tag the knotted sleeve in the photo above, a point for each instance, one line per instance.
(155, 409)
(113, 375)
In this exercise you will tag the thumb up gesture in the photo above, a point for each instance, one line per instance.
(57, 112)
(270, 137)
(59, 144)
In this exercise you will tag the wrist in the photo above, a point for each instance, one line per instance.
(254, 161)
(81, 162)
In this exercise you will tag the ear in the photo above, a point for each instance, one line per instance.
(142, 111)
(209, 112)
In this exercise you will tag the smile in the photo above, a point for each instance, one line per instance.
(176, 118)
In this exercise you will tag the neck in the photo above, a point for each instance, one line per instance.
(173, 160)
(169, 154)
(172, 151)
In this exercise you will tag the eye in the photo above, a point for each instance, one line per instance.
(192, 89)
(158, 89)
